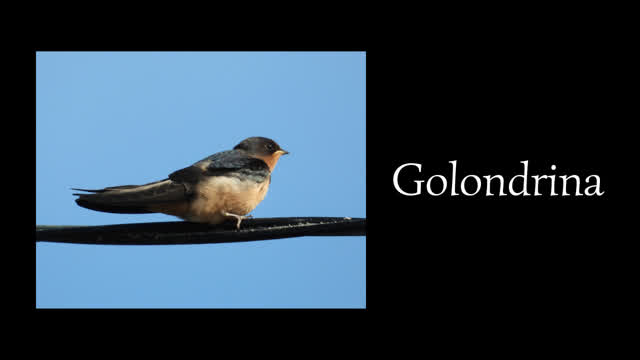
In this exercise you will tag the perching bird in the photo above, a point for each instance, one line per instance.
(226, 185)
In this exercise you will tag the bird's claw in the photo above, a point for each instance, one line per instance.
(239, 218)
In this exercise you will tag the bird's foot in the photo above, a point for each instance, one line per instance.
(238, 217)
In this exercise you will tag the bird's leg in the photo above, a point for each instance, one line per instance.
(238, 217)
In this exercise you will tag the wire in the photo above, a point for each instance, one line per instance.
(180, 232)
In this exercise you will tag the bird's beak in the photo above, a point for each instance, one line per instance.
(282, 152)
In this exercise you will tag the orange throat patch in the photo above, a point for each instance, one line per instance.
(270, 160)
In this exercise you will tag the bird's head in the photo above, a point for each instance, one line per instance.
(262, 148)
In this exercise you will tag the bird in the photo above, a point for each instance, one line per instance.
(225, 186)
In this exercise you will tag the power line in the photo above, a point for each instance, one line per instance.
(180, 232)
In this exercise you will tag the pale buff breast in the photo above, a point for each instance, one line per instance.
(218, 194)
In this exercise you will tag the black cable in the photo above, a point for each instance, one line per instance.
(180, 232)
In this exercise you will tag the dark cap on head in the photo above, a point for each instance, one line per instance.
(258, 145)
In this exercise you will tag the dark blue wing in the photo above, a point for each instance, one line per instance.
(232, 160)
(227, 163)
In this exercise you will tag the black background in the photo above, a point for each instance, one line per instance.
(490, 100)
(488, 96)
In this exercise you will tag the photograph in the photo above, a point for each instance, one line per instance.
(200, 180)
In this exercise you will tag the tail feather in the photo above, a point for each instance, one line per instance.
(132, 199)
(112, 188)
(94, 204)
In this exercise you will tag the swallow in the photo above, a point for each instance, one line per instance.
(224, 186)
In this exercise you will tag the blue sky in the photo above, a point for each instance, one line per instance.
(119, 118)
